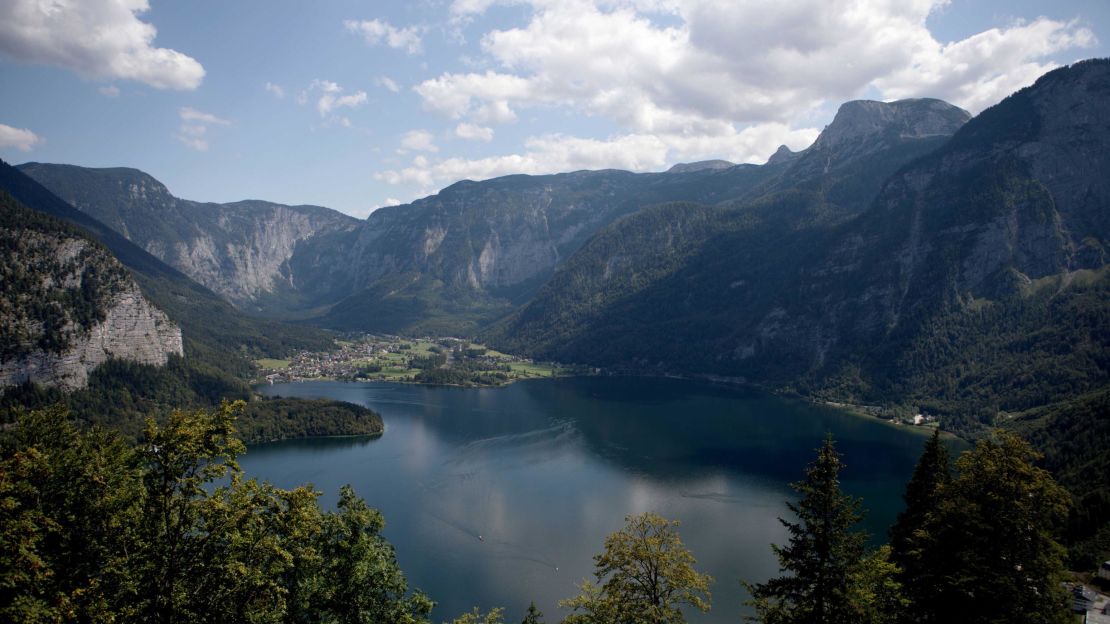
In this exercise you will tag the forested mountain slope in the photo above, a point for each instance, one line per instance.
(657, 297)
(973, 286)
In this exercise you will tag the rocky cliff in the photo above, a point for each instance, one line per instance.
(68, 305)
(241, 250)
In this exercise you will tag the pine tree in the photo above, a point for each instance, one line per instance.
(534, 615)
(823, 554)
(912, 534)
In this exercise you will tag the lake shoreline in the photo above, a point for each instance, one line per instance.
(856, 410)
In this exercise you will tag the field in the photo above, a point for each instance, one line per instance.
(444, 361)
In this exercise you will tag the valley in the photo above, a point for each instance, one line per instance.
(433, 361)
(908, 309)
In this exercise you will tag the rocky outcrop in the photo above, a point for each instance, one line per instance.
(133, 330)
(67, 305)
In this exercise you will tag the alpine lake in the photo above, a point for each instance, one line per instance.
(502, 496)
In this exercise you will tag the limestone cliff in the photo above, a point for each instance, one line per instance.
(241, 250)
(67, 305)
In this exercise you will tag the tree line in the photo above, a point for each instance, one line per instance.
(94, 528)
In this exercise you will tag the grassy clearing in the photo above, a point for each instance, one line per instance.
(525, 369)
(272, 364)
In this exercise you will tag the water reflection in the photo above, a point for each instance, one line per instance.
(495, 497)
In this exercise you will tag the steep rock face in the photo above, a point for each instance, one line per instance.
(68, 306)
(1018, 195)
(241, 250)
(132, 329)
(475, 248)
(864, 131)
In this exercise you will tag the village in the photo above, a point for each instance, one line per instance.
(438, 361)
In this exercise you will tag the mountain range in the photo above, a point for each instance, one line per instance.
(912, 258)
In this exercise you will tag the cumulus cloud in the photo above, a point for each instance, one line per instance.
(473, 132)
(109, 91)
(377, 31)
(458, 95)
(275, 90)
(330, 96)
(419, 141)
(694, 79)
(955, 71)
(21, 139)
(193, 132)
(735, 61)
(95, 38)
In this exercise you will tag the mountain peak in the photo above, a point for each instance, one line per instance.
(782, 154)
(916, 118)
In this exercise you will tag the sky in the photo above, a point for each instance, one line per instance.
(358, 105)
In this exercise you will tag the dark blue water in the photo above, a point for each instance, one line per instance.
(543, 470)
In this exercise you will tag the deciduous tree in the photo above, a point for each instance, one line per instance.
(644, 576)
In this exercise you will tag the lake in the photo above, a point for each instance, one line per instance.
(543, 470)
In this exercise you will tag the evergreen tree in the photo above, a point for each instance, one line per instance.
(912, 534)
(533, 616)
(995, 551)
(823, 554)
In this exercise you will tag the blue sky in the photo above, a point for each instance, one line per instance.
(354, 105)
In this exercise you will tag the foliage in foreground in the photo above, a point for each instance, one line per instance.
(977, 547)
(831, 578)
(171, 531)
(644, 576)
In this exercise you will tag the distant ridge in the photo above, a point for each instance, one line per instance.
(703, 165)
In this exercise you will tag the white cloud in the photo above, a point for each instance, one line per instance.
(109, 91)
(419, 141)
(379, 31)
(634, 152)
(389, 84)
(544, 154)
(21, 139)
(713, 62)
(458, 95)
(193, 136)
(331, 97)
(192, 114)
(955, 71)
(275, 90)
(193, 132)
(95, 38)
(473, 132)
